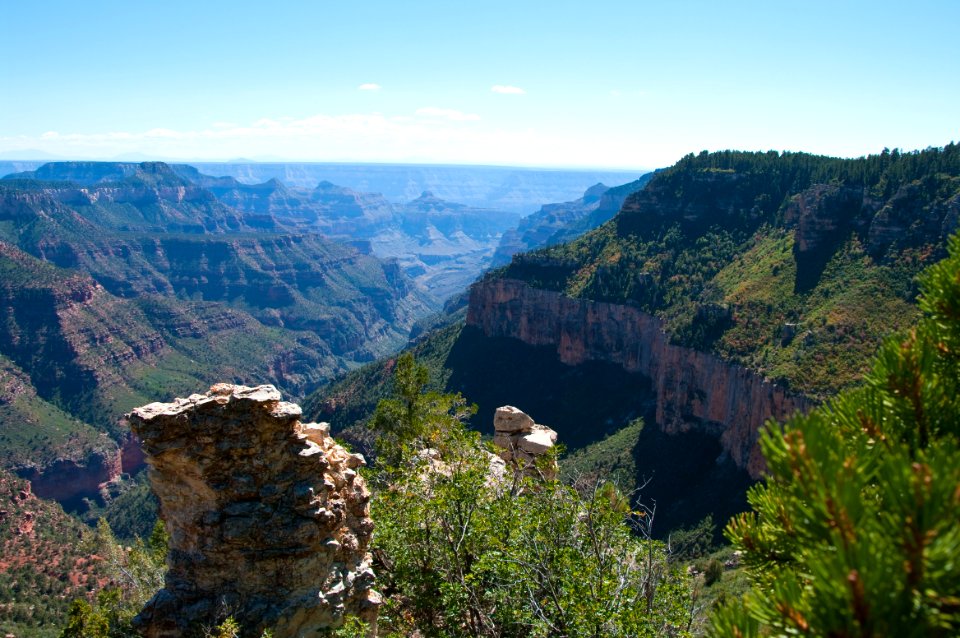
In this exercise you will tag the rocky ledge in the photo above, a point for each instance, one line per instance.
(523, 444)
(268, 517)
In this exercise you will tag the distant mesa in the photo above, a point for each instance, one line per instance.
(558, 223)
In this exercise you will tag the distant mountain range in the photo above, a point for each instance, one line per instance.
(127, 283)
(518, 190)
(559, 223)
(443, 245)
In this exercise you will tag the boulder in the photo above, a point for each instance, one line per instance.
(522, 442)
(511, 419)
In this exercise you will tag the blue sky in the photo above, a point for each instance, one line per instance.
(540, 83)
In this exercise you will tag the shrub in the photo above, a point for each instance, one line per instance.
(855, 532)
(462, 554)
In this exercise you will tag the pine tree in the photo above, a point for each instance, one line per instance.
(856, 531)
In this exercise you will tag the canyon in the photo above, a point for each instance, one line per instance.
(130, 281)
(123, 283)
(730, 290)
(693, 390)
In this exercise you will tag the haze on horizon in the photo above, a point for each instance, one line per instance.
(615, 84)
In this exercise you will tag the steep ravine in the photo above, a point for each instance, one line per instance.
(694, 391)
(70, 481)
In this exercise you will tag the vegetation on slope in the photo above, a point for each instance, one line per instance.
(855, 532)
(464, 554)
(46, 561)
(35, 431)
(742, 252)
(713, 246)
(136, 574)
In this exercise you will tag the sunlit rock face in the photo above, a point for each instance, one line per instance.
(268, 517)
(523, 444)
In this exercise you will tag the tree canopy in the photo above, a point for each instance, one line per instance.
(462, 552)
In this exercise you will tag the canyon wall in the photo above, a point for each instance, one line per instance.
(72, 480)
(693, 390)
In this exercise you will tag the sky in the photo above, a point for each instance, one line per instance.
(632, 85)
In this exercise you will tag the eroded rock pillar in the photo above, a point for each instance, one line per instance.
(268, 518)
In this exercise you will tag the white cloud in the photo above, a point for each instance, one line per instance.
(369, 86)
(430, 135)
(507, 89)
(50, 135)
(449, 114)
(164, 132)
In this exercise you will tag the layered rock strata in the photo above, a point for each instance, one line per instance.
(268, 517)
(692, 389)
(523, 444)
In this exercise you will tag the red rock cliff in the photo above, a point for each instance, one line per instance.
(693, 389)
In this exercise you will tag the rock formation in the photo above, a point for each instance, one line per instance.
(559, 223)
(268, 517)
(692, 388)
(524, 443)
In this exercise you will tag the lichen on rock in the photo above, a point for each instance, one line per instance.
(268, 517)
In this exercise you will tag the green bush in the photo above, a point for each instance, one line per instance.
(136, 573)
(462, 554)
(712, 572)
(856, 530)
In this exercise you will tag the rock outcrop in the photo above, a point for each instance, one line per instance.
(524, 444)
(268, 517)
(692, 389)
(70, 481)
(558, 223)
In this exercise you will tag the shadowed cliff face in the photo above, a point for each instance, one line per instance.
(693, 390)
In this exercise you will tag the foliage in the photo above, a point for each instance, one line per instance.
(413, 420)
(136, 574)
(790, 172)
(855, 532)
(695, 541)
(611, 458)
(348, 401)
(463, 553)
(709, 248)
(712, 572)
(131, 510)
(229, 628)
(45, 563)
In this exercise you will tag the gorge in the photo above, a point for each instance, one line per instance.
(693, 390)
